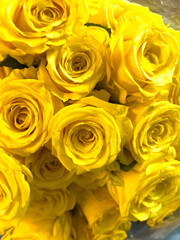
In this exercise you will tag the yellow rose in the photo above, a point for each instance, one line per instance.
(8, 49)
(174, 97)
(14, 192)
(174, 93)
(156, 131)
(50, 204)
(90, 180)
(89, 134)
(80, 227)
(143, 59)
(48, 172)
(114, 235)
(82, 231)
(102, 214)
(122, 11)
(97, 12)
(177, 67)
(25, 111)
(73, 70)
(25, 73)
(174, 88)
(4, 72)
(32, 26)
(99, 208)
(108, 13)
(49, 229)
(151, 194)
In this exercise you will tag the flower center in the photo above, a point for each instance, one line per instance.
(85, 136)
(78, 64)
(163, 190)
(158, 133)
(51, 163)
(49, 14)
(153, 54)
(19, 117)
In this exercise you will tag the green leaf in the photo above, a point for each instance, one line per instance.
(116, 178)
(127, 168)
(12, 63)
(99, 25)
(114, 166)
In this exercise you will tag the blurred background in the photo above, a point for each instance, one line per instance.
(169, 9)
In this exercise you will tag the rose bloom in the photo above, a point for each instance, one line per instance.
(102, 214)
(156, 131)
(32, 26)
(89, 134)
(25, 73)
(174, 88)
(92, 180)
(25, 111)
(8, 49)
(114, 235)
(82, 231)
(73, 70)
(151, 194)
(4, 72)
(143, 57)
(14, 192)
(49, 229)
(47, 203)
(80, 228)
(174, 97)
(48, 172)
(109, 12)
(174, 93)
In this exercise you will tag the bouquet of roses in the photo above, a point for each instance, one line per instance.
(89, 119)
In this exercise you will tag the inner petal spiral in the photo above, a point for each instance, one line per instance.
(49, 14)
(20, 117)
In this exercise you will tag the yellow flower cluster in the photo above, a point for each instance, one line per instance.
(89, 119)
